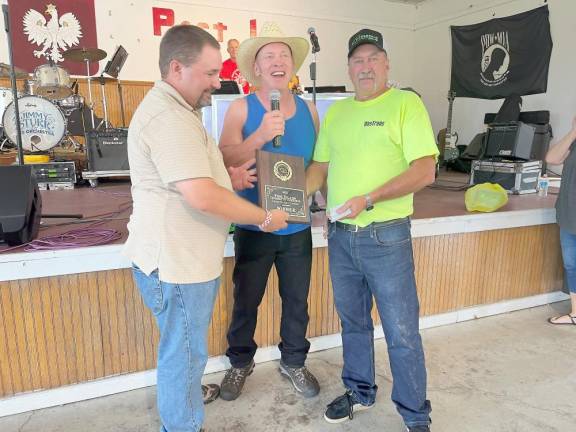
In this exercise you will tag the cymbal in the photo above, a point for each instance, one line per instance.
(83, 54)
(5, 71)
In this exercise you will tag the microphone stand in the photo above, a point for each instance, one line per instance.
(13, 85)
(313, 75)
(314, 207)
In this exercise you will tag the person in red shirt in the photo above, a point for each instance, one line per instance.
(230, 68)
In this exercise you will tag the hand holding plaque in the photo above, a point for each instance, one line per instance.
(282, 185)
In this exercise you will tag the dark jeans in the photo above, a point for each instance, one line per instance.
(255, 253)
(377, 262)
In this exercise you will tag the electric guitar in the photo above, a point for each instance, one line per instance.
(446, 138)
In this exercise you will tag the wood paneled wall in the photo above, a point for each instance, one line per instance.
(68, 329)
(132, 92)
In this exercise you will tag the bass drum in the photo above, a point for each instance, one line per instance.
(42, 123)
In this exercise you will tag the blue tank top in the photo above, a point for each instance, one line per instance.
(298, 140)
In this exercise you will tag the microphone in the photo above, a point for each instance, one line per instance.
(275, 106)
(314, 40)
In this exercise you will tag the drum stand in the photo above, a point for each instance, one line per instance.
(4, 140)
(104, 104)
(69, 139)
(121, 98)
(91, 105)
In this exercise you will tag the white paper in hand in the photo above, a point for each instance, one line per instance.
(334, 216)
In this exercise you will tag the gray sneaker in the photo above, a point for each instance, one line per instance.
(302, 379)
(234, 380)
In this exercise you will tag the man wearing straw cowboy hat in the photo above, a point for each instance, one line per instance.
(269, 61)
(376, 149)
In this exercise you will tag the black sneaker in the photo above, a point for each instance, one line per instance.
(302, 379)
(425, 428)
(210, 393)
(343, 408)
(234, 380)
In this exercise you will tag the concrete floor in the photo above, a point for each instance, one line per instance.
(508, 373)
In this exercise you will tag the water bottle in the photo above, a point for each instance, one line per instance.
(543, 183)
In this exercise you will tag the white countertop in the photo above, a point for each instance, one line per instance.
(30, 265)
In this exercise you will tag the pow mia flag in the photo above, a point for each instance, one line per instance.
(503, 56)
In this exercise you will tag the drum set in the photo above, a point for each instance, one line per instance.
(50, 104)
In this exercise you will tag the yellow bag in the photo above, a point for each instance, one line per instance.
(485, 197)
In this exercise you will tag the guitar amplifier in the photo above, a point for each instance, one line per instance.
(513, 140)
(107, 150)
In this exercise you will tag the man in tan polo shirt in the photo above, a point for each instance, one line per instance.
(183, 206)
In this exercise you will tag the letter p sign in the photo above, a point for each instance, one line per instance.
(162, 18)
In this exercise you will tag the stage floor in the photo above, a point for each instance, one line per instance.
(109, 204)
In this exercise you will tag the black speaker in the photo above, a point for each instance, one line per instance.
(108, 150)
(20, 205)
(475, 149)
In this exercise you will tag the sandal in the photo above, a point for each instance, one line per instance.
(554, 320)
(210, 393)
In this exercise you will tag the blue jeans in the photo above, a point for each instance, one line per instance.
(568, 244)
(377, 261)
(183, 313)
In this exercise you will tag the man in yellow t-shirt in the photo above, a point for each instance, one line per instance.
(375, 149)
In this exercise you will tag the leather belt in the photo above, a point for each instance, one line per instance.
(356, 228)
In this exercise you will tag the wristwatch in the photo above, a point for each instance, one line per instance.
(369, 204)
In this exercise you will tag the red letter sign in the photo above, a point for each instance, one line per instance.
(162, 18)
(220, 28)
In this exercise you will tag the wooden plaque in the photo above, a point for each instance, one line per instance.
(282, 185)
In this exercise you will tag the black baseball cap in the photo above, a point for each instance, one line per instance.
(365, 36)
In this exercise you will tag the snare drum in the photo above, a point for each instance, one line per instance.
(70, 103)
(52, 82)
(41, 122)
